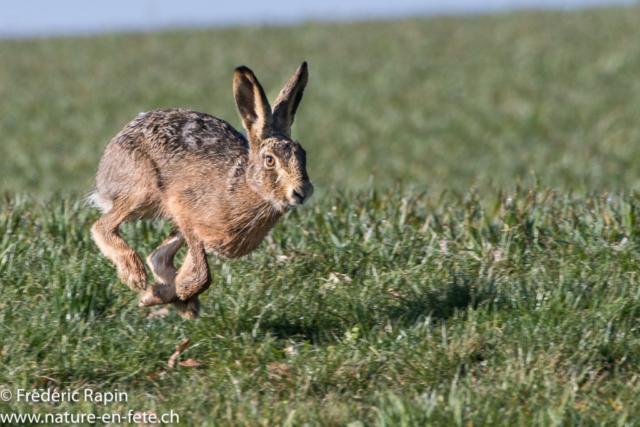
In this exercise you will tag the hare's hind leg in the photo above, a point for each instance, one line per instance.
(106, 234)
(161, 263)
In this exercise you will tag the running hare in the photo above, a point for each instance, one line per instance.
(223, 192)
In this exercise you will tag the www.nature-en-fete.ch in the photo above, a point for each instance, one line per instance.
(79, 418)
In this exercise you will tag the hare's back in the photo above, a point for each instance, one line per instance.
(179, 131)
(161, 149)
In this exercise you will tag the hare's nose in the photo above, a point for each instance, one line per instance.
(298, 196)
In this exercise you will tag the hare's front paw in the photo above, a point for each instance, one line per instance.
(191, 284)
(188, 309)
(158, 294)
(132, 272)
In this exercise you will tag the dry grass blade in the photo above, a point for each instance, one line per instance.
(179, 349)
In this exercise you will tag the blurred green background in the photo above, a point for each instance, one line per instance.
(448, 102)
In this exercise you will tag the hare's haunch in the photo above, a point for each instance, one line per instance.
(223, 192)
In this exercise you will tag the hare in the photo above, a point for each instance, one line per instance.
(222, 191)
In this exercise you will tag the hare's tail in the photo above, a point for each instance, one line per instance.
(100, 202)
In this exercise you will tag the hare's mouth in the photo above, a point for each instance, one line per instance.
(281, 207)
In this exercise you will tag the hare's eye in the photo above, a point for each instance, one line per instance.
(269, 161)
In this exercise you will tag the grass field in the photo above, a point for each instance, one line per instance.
(395, 309)
(439, 103)
(455, 287)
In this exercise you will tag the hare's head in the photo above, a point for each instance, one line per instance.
(278, 165)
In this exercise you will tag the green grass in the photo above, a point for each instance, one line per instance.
(453, 288)
(381, 308)
(443, 102)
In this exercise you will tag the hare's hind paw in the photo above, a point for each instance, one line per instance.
(158, 294)
(132, 272)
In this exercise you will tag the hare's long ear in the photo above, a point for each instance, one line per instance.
(287, 103)
(253, 106)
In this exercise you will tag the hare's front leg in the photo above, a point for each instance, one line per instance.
(192, 279)
(194, 276)
(164, 291)
(161, 263)
(161, 260)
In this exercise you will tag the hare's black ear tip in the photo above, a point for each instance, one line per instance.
(302, 69)
(243, 69)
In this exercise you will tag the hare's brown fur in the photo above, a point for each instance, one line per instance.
(219, 188)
